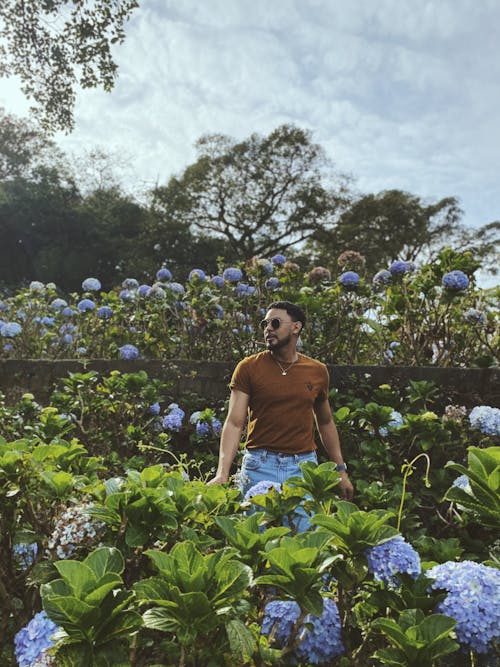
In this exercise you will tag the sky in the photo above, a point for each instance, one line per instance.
(401, 94)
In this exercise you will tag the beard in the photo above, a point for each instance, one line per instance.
(277, 344)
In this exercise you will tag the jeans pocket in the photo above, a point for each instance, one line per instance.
(251, 461)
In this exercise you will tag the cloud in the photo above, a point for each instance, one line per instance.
(401, 95)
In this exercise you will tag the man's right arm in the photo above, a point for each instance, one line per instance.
(231, 434)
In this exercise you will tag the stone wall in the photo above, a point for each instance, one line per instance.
(467, 386)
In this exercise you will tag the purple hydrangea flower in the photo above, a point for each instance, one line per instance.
(349, 279)
(91, 285)
(10, 329)
(319, 638)
(272, 283)
(173, 420)
(232, 274)
(154, 409)
(85, 305)
(176, 288)
(127, 295)
(262, 488)
(472, 600)
(163, 274)
(388, 559)
(383, 277)
(197, 274)
(35, 638)
(203, 429)
(455, 281)
(144, 290)
(104, 312)
(218, 281)
(486, 419)
(128, 351)
(278, 259)
(399, 268)
(242, 289)
(216, 426)
(68, 312)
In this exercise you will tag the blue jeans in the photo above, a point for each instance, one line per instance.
(260, 465)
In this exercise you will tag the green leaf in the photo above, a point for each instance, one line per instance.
(76, 575)
(241, 640)
(105, 560)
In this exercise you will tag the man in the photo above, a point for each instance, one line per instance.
(282, 393)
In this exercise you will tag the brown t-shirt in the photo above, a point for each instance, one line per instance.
(280, 412)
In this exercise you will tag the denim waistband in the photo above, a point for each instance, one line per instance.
(273, 452)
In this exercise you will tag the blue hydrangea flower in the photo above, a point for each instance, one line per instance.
(232, 274)
(127, 295)
(195, 417)
(47, 321)
(128, 351)
(130, 283)
(37, 286)
(319, 638)
(67, 339)
(463, 483)
(81, 350)
(486, 419)
(218, 281)
(219, 311)
(58, 304)
(197, 274)
(104, 312)
(472, 600)
(399, 268)
(395, 556)
(68, 312)
(154, 409)
(25, 554)
(35, 638)
(74, 528)
(8, 347)
(10, 330)
(144, 290)
(265, 265)
(349, 279)
(262, 487)
(163, 274)
(278, 259)
(85, 305)
(91, 285)
(216, 426)
(173, 420)
(395, 421)
(157, 292)
(176, 288)
(272, 283)
(242, 289)
(476, 317)
(383, 277)
(203, 429)
(455, 281)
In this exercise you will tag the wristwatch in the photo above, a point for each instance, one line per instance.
(342, 467)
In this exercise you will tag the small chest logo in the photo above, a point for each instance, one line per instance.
(309, 386)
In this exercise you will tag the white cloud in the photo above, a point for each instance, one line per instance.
(400, 94)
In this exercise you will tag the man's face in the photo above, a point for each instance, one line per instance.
(280, 336)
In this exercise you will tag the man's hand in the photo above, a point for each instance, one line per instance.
(218, 479)
(346, 488)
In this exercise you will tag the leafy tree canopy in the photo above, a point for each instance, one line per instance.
(263, 195)
(55, 45)
(398, 225)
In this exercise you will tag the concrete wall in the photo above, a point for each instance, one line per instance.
(467, 386)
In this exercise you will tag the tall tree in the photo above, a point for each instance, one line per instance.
(389, 225)
(55, 45)
(262, 195)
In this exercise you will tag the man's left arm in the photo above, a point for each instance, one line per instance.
(331, 442)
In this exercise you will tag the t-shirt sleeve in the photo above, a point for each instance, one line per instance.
(240, 379)
(325, 385)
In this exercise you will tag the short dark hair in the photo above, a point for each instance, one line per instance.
(295, 312)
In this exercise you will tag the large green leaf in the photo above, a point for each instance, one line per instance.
(78, 576)
(104, 560)
(241, 640)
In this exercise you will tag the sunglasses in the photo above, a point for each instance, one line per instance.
(275, 323)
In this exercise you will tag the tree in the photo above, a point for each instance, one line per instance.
(262, 195)
(389, 225)
(55, 45)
